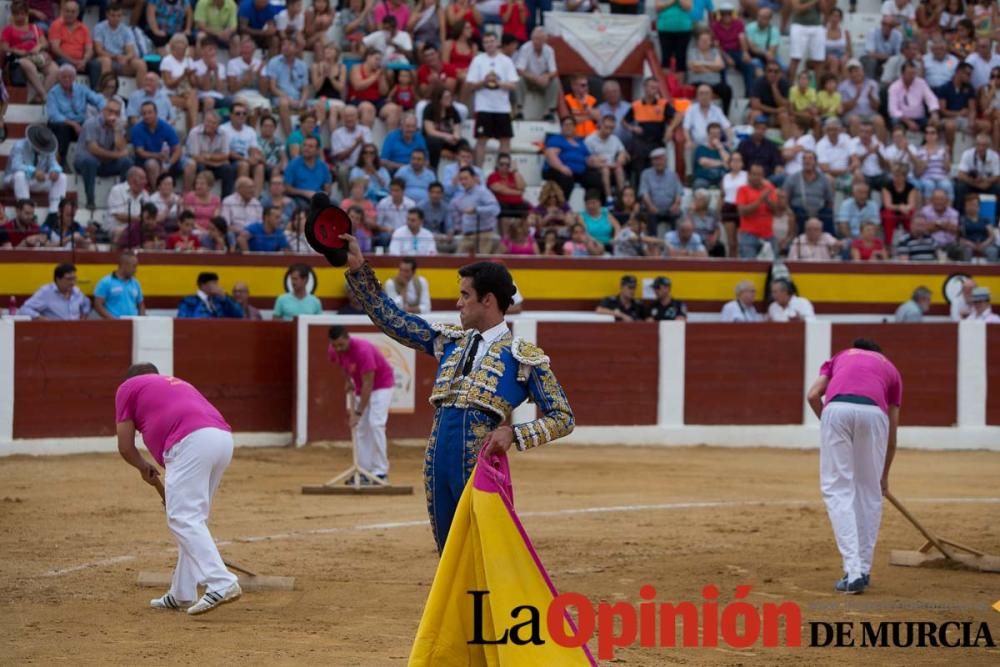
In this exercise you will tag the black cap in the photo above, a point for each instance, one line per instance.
(325, 224)
(661, 281)
(629, 280)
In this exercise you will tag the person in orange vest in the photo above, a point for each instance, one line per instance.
(652, 121)
(583, 106)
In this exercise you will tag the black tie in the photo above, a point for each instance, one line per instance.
(471, 357)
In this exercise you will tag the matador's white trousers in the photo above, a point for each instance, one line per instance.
(194, 468)
(853, 442)
(370, 433)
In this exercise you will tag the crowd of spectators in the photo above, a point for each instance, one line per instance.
(844, 153)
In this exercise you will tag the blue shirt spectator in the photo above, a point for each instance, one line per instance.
(852, 214)
(449, 176)
(265, 238)
(300, 175)
(152, 139)
(417, 180)
(52, 304)
(289, 74)
(572, 153)
(258, 15)
(158, 96)
(24, 158)
(63, 105)
(483, 204)
(119, 297)
(400, 144)
(114, 40)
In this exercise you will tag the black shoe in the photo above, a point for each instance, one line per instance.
(3, 131)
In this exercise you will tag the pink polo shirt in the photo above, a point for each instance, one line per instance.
(363, 357)
(165, 410)
(864, 373)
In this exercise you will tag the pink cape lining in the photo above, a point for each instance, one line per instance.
(493, 476)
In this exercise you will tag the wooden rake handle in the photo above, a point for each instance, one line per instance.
(926, 533)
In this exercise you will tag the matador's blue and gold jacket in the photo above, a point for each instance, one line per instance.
(512, 371)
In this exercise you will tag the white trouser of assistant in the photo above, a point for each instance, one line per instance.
(851, 457)
(194, 468)
(23, 186)
(370, 433)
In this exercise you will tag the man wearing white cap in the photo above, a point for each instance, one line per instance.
(981, 307)
(33, 167)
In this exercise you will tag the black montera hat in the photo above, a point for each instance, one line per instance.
(325, 224)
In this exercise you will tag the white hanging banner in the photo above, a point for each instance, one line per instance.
(604, 41)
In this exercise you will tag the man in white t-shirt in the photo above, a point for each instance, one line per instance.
(700, 115)
(607, 146)
(492, 76)
(211, 74)
(243, 75)
(866, 152)
(833, 153)
(391, 211)
(244, 152)
(742, 309)
(412, 238)
(392, 43)
(788, 306)
(291, 22)
(978, 170)
(538, 90)
(346, 142)
(903, 10)
(983, 60)
(801, 141)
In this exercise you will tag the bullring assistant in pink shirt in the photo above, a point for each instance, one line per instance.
(858, 419)
(188, 436)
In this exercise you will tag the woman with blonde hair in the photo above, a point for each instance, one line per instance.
(180, 78)
(552, 212)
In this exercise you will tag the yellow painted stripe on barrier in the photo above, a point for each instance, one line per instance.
(537, 284)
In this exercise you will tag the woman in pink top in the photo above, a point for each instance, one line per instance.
(371, 380)
(188, 436)
(202, 201)
(517, 240)
(858, 421)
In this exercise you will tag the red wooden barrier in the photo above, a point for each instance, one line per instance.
(927, 358)
(66, 375)
(246, 369)
(744, 373)
(609, 371)
(993, 375)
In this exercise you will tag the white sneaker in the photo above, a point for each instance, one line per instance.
(169, 602)
(211, 599)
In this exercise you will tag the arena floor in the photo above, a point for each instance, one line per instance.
(75, 531)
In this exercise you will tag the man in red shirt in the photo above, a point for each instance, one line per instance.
(434, 72)
(69, 38)
(756, 201)
(23, 230)
(371, 379)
